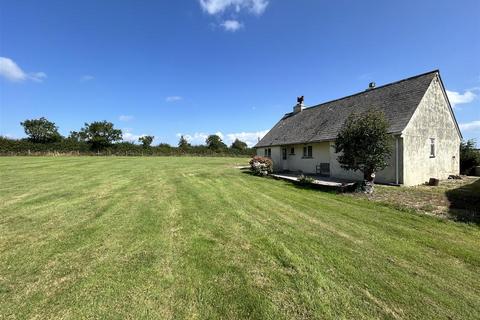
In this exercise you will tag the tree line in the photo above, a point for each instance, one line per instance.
(101, 137)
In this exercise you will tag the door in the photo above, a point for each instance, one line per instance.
(284, 159)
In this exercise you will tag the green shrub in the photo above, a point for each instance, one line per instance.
(364, 144)
(305, 180)
(469, 157)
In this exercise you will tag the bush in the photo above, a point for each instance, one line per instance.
(469, 157)
(364, 144)
(305, 180)
(261, 166)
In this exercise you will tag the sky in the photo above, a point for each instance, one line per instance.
(231, 67)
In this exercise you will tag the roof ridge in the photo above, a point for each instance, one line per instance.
(361, 92)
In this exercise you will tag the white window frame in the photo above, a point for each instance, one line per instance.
(268, 152)
(307, 152)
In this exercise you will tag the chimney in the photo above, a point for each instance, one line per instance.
(371, 86)
(299, 106)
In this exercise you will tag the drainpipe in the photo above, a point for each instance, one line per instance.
(396, 160)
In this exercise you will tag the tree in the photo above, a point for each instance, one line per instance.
(100, 134)
(146, 141)
(183, 143)
(214, 142)
(74, 136)
(469, 157)
(239, 145)
(41, 130)
(364, 144)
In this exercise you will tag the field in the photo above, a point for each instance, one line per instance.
(169, 238)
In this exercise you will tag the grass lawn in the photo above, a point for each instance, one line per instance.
(455, 199)
(170, 238)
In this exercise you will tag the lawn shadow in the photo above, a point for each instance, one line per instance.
(251, 173)
(465, 202)
(312, 186)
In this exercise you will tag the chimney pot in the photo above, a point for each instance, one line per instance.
(299, 106)
(371, 85)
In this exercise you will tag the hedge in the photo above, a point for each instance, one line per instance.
(23, 147)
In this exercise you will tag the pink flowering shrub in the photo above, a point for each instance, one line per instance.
(261, 166)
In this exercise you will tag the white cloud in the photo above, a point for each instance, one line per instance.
(131, 137)
(125, 118)
(459, 98)
(251, 138)
(219, 6)
(37, 76)
(12, 72)
(86, 78)
(470, 126)
(8, 135)
(231, 25)
(235, 7)
(173, 98)
(218, 133)
(195, 139)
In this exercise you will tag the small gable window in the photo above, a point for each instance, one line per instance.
(307, 152)
(268, 152)
(432, 147)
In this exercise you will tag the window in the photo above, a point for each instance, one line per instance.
(432, 147)
(307, 152)
(292, 150)
(268, 152)
(284, 153)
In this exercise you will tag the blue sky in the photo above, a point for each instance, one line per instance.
(235, 67)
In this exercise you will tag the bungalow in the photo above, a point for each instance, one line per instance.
(426, 136)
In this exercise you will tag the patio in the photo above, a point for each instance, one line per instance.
(318, 180)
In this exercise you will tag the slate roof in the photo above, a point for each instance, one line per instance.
(397, 100)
